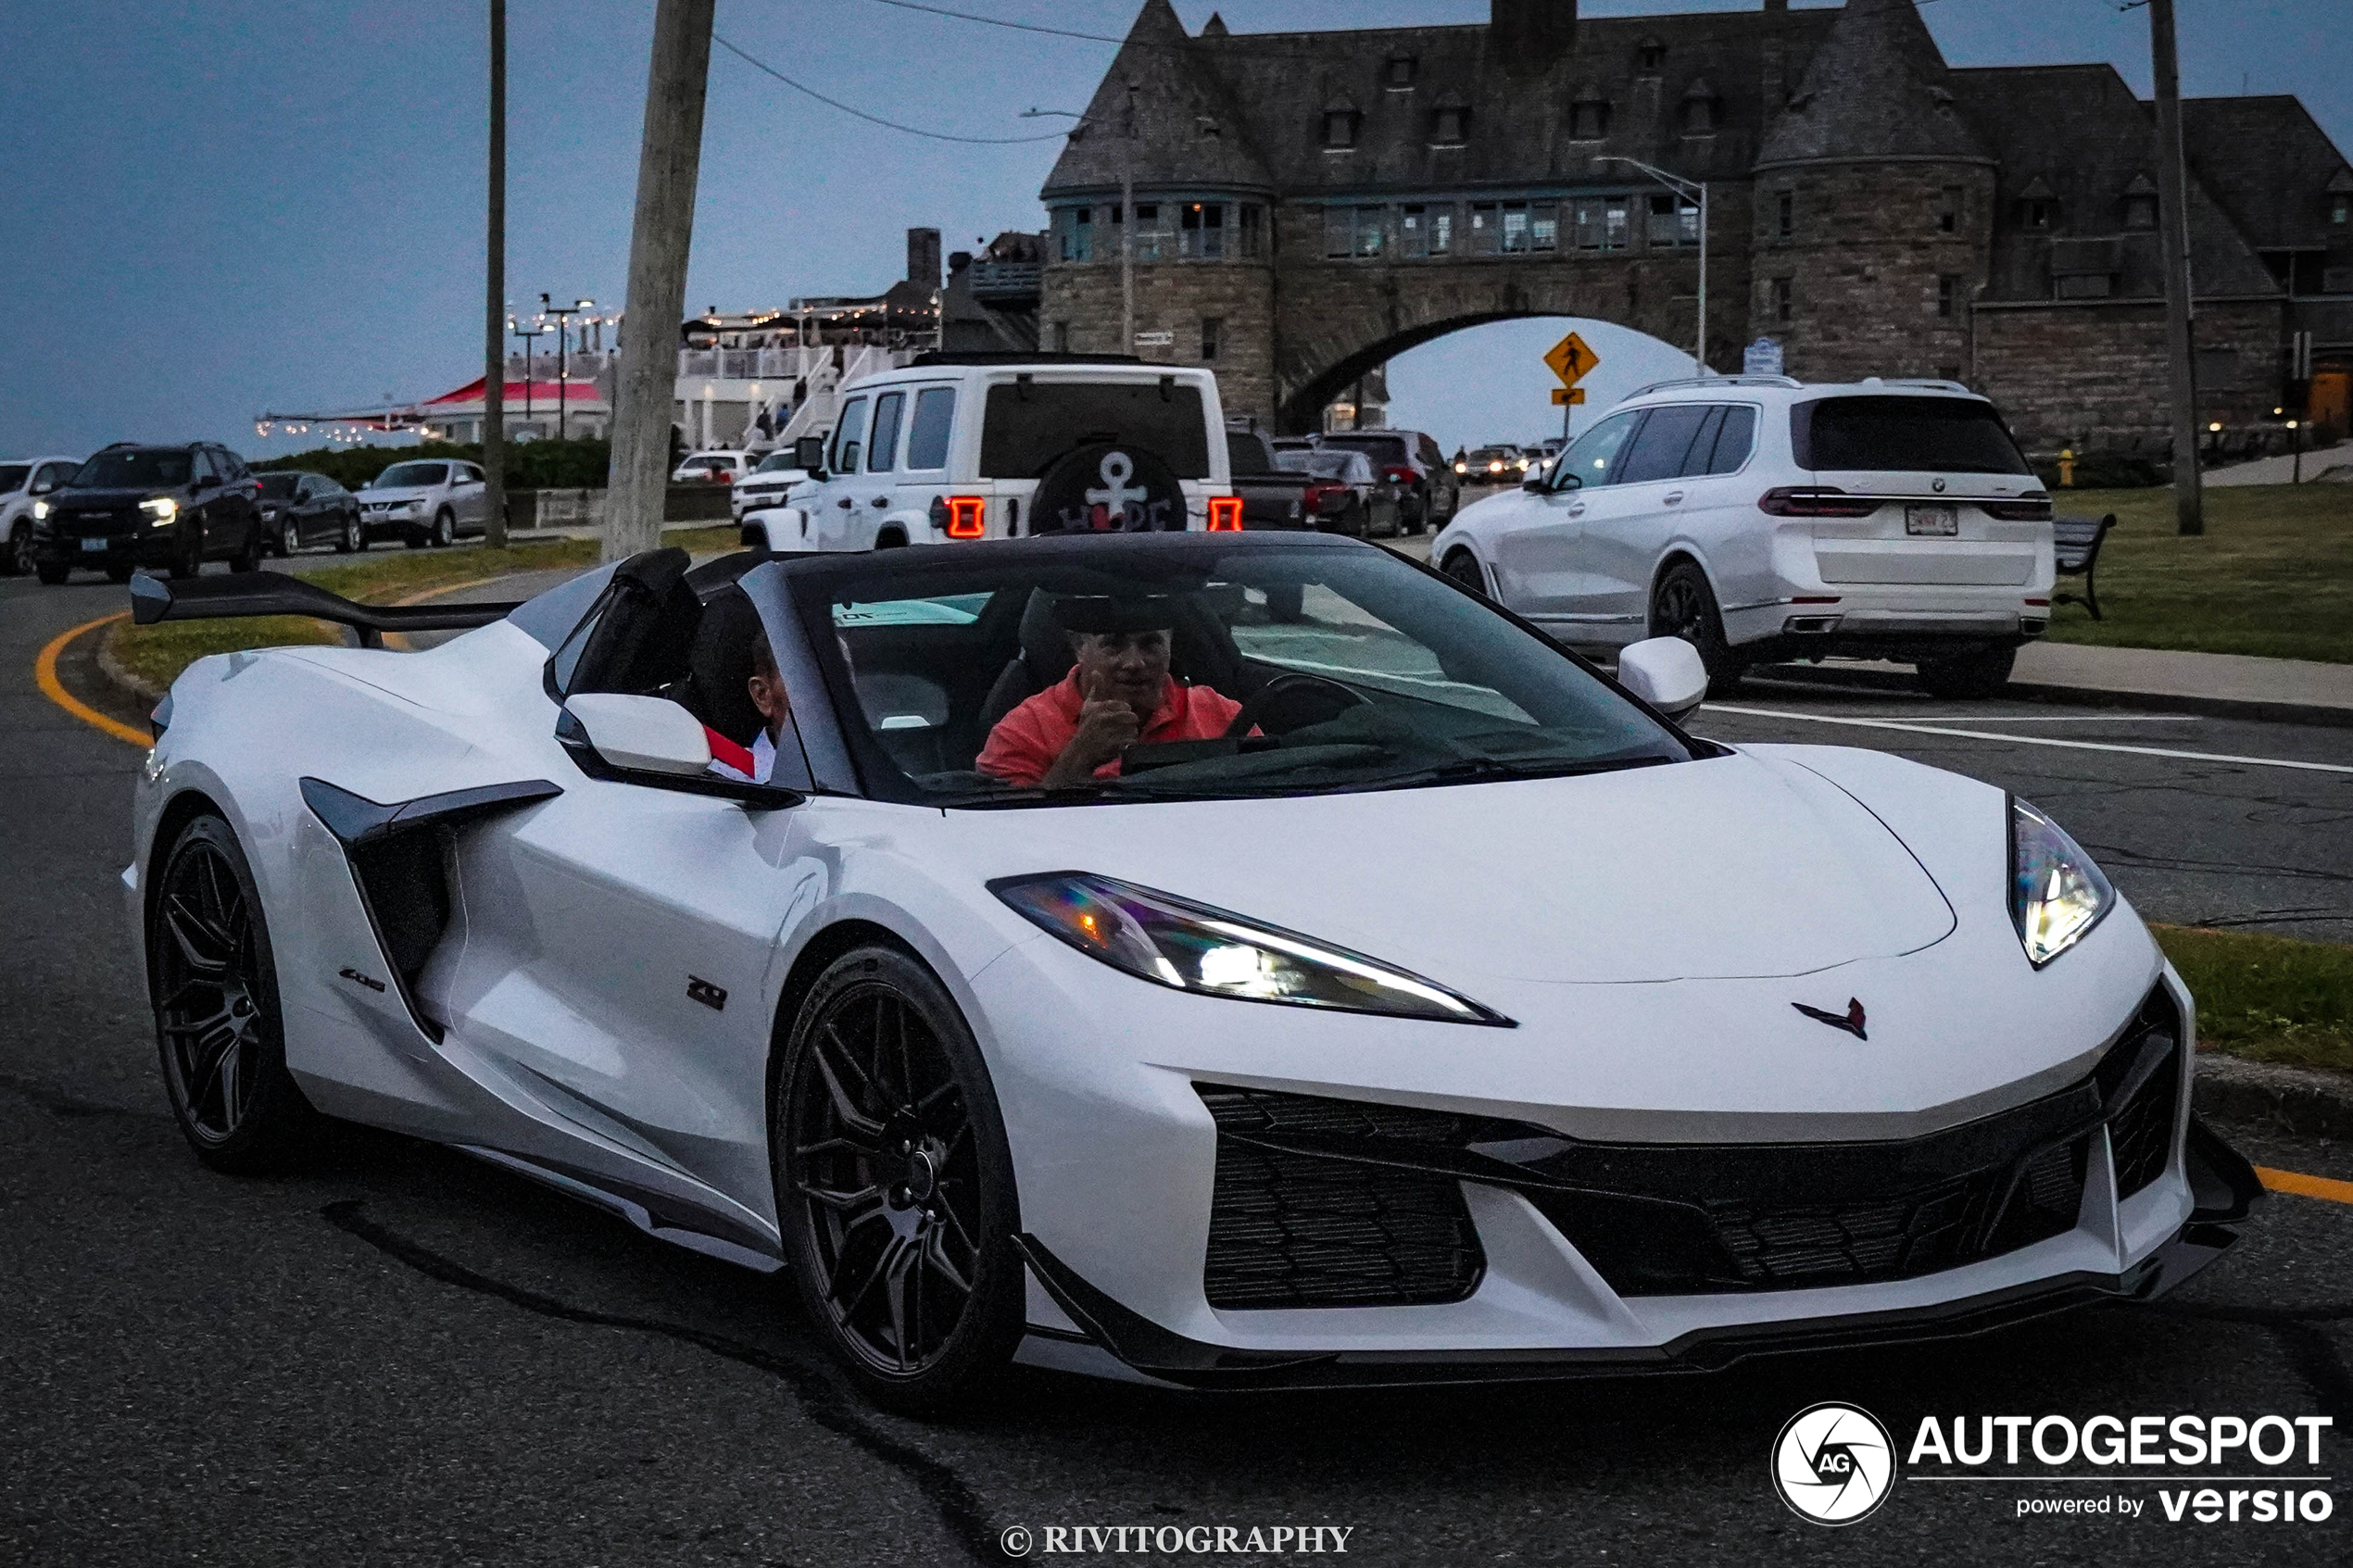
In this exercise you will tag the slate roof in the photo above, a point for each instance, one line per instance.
(1877, 88)
(2268, 165)
(1185, 129)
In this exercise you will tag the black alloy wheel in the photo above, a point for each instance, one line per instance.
(215, 992)
(20, 556)
(1463, 567)
(445, 529)
(894, 1185)
(353, 538)
(289, 537)
(1682, 604)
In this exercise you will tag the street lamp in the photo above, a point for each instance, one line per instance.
(2296, 440)
(1127, 210)
(2214, 446)
(563, 313)
(1695, 190)
(526, 334)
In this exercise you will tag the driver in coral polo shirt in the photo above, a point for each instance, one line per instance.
(1117, 693)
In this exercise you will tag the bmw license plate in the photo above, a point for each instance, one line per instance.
(1931, 523)
(92, 546)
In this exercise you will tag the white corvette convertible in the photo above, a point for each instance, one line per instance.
(1212, 959)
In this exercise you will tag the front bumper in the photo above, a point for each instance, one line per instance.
(152, 548)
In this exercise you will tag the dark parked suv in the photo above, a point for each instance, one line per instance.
(133, 505)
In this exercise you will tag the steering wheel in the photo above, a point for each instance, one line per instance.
(1338, 697)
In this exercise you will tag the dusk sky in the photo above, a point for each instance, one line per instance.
(221, 207)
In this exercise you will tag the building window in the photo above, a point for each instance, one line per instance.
(1250, 232)
(1600, 222)
(1673, 222)
(1649, 55)
(1150, 236)
(1340, 128)
(1778, 305)
(2140, 212)
(2037, 212)
(1948, 217)
(2085, 286)
(1201, 234)
(1061, 337)
(1212, 329)
(1588, 119)
(1075, 229)
(1442, 230)
(1544, 226)
(1515, 215)
(1785, 216)
(2341, 209)
(1484, 230)
(1697, 115)
(1948, 297)
(1353, 232)
(1449, 126)
(1412, 232)
(1402, 70)
(1369, 230)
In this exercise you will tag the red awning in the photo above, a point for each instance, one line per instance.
(538, 392)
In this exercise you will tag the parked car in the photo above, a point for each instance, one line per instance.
(23, 481)
(991, 445)
(427, 501)
(1271, 496)
(300, 510)
(714, 468)
(1428, 490)
(134, 504)
(1345, 493)
(1761, 519)
(767, 484)
(1492, 465)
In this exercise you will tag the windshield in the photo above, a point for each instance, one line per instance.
(279, 486)
(1030, 423)
(1380, 448)
(1321, 465)
(1939, 434)
(402, 476)
(776, 462)
(12, 476)
(132, 471)
(1299, 670)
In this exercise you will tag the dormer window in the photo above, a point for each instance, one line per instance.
(2140, 212)
(1450, 126)
(1649, 55)
(1589, 115)
(1402, 69)
(1697, 115)
(2340, 197)
(2037, 206)
(1339, 128)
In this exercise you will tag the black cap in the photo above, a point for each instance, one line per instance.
(1155, 612)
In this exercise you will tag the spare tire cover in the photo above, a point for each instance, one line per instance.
(1108, 487)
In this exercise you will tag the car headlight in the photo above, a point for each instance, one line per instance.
(1190, 946)
(160, 510)
(40, 510)
(2057, 894)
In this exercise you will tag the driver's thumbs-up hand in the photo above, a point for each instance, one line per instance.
(1106, 725)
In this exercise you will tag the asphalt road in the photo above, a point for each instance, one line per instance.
(404, 1357)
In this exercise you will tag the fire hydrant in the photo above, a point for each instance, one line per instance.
(2067, 467)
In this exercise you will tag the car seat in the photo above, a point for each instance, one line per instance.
(716, 688)
(1202, 651)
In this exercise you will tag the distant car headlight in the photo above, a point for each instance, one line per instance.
(160, 510)
(2057, 894)
(1190, 946)
(39, 510)
(1462, 467)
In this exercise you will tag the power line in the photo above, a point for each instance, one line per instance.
(763, 65)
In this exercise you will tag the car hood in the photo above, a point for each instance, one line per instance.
(406, 493)
(1728, 866)
(70, 500)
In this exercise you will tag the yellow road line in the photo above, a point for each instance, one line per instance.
(45, 675)
(2303, 1185)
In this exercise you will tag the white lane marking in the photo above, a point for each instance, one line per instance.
(2029, 740)
(2059, 718)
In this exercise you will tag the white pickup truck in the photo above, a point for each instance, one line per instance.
(1002, 446)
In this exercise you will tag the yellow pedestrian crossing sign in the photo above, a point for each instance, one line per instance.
(1570, 359)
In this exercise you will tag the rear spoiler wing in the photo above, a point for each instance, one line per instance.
(277, 593)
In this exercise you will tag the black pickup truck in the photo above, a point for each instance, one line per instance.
(1270, 498)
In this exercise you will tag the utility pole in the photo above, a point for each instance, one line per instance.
(494, 331)
(1127, 228)
(2189, 510)
(669, 160)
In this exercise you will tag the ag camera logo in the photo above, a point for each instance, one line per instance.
(1833, 1463)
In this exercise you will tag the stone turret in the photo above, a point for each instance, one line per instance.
(1872, 189)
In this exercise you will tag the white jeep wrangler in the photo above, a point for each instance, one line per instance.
(1004, 445)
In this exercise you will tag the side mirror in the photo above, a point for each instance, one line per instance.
(43, 486)
(647, 734)
(809, 453)
(1664, 672)
(1534, 481)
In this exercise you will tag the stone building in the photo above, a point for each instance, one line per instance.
(1309, 205)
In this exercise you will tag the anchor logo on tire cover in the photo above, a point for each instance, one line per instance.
(1116, 495)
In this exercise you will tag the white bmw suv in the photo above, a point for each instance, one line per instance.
(1764, 520)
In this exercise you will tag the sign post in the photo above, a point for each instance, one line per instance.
(1569, 359)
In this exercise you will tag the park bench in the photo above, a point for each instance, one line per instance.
(2075, 551)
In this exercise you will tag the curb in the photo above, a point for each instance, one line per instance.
(2324, 714)
(123, 679)
(2277, 1099)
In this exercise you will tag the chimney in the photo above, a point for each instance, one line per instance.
(923, 257)
(1530, 33)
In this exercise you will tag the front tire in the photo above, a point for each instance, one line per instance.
(894, 1185)
(17, 560)
(1682, 604)
(289, 538)
(1969, 677)
(248, 555)
(445, 529)
(353, 538)
(54, 576)
(219, 1028)
(187, 553)
(1463, 567)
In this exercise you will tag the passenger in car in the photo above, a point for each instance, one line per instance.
(1119, 692)
(753, 764)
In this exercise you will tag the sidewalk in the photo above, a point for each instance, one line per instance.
(2280, 471)
(2225, 685)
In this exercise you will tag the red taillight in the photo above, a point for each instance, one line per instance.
(967, 516)
(1401, 476)
(1321, 491)
(2032, 506)
(1815, 501)
(1225, 514)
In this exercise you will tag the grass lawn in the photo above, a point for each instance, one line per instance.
(2268, 998)
(157, 654)
(2272, 575)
